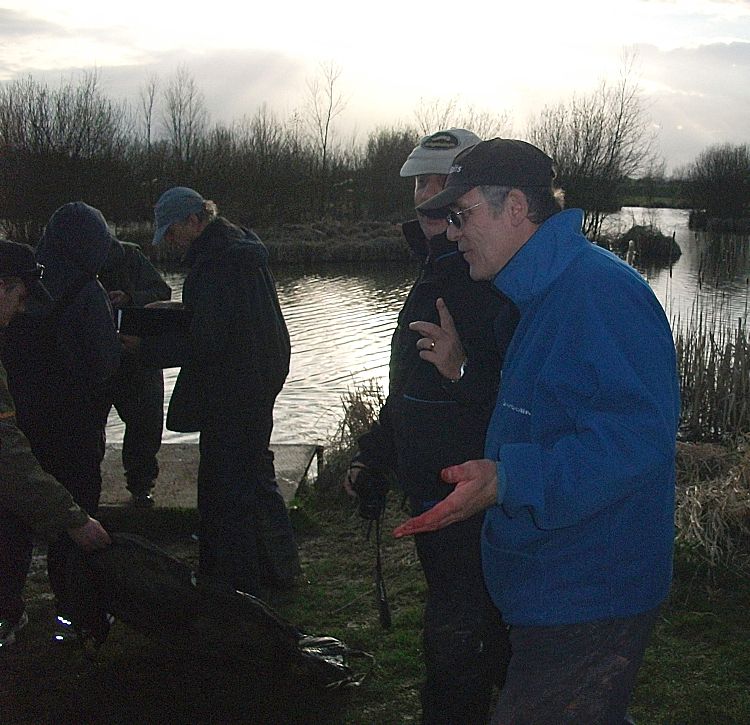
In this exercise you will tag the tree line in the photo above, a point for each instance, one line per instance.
(71, 141)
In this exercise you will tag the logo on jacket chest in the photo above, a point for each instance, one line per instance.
(516, 408)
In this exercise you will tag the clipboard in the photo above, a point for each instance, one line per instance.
(150, 321)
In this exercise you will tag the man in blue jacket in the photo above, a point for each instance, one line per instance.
(578, 475)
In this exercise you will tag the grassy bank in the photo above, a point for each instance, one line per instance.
(697, 670)
(326, 241)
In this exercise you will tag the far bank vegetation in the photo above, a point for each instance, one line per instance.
(67, 141)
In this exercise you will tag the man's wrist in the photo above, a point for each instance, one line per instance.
(461, 371)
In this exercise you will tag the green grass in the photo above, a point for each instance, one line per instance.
(697, 669)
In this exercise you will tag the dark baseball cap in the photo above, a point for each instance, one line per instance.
(18, 260)
(497, 162)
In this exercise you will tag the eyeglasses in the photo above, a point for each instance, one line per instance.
(36, 272)
(454, 217)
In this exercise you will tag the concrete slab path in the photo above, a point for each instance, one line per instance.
(178, 463)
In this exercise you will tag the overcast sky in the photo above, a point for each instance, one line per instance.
(693, 56)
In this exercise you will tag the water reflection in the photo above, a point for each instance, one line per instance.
(341, 319)
(340, 322)
(711, 275)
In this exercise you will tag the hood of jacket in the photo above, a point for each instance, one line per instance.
(76, 243)
(434, 250)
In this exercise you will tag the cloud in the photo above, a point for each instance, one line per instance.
(699, 96)
(234, 83)
(16, 25)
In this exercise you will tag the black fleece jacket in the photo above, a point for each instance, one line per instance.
(235, 358)
(428, 422)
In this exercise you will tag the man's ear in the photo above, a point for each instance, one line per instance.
(518, 206)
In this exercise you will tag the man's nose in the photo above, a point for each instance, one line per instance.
(453, 233)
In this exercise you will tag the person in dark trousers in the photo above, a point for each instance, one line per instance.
(60, 388)
(577, 477)
(436, 415)
(137, 391)
(31, 501)
(234, 361)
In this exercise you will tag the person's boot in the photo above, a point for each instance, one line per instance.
(9, 628)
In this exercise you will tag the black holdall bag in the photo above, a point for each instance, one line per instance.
(161, 597)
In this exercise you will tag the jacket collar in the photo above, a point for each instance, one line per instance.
(214, 238)
(434, 250)
(543, 258)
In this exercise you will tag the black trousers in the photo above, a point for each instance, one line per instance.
(76, 463)
(246, 539)
(137, 393)
(15, 558)
(73, 456)
(575, 673)
(466, 646)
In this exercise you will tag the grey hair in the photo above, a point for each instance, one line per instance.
(209, 212)
(543, 201)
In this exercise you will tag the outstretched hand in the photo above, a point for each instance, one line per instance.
(440, 344)
(476, 490)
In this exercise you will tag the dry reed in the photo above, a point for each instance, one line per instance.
(714, 365)
(361, 408)
(713, 502)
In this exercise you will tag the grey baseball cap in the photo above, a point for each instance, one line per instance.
(497, 162)
(174, 205)
(435, 153)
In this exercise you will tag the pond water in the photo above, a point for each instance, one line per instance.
(341, 319)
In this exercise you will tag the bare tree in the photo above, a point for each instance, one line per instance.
(718, 181)
(324, 103)
(435, 115)
(184, 117)
(598, 140)
(60, 143)
(147, 104)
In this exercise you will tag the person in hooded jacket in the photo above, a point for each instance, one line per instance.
(234, 360)
(438, 407)
(58, 366)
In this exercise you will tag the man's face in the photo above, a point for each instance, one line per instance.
(485, 236)
(13, 294)
(425, 187)
(182, 233)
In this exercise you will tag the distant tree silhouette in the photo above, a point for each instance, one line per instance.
(718, 181)
(597, 141)
(57, 145)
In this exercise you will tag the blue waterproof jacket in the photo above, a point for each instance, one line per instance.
(584, 435)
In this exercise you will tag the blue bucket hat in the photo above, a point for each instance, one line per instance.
(174, 205)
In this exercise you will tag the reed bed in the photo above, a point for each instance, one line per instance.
(713, 503)
(714, 367)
